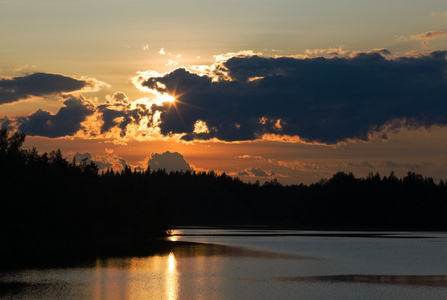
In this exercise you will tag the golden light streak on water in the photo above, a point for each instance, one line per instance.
(172, 278)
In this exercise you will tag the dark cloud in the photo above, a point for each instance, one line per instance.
(117, 112)
(259, 172)
(170, 161)
(115, 115)
(41, 84)
(320, 99)
(6, 123)
(67, 121)
(243, 173)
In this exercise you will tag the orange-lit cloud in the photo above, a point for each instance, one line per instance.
(424, 37)
(256, 172)
(245, 97)
(427, 36)
(23, 68)
(299, 100)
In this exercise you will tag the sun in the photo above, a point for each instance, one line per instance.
(165, 97)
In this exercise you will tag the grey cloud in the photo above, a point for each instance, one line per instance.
(123, 162)
(87, 158)
(83, 156)
(320, 99)
(104, 162)
(170, 161)
(39, 84)
(410, 166)
(117, 112)
(364, 164)
(243, 173)
(391, 164)
(260, 173)
(67, 121)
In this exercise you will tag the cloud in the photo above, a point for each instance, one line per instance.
(23, 68)
(256, 172)
(328, 51)
(243, 173)
(246, 97)
(43, 84)
(364, 164)
(410, 166)
(247, 156)
(171, 63)
(67, 121)
(170, 161)
(87, 159)
(117, 119)
(325, 100)
(261, 173)
(119, 113)
(162, 51)
(426, 36)
(104, 162)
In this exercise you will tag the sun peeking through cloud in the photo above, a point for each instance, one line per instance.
(231, 100)
(165, 97)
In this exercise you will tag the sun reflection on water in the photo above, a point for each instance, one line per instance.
(154, 277)
(171, 278)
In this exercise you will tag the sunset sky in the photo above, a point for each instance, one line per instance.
(292, 90)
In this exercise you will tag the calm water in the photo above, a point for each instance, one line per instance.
(255, 264)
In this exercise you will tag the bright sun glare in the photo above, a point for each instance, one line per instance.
(167, 98)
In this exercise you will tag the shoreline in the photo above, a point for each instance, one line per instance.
(47, 254)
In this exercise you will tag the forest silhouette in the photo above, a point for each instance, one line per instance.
(46, 198)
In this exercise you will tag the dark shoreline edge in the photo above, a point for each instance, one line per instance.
(270, 227)
(47, 254)
(89, 253)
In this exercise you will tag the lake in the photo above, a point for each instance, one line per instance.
(254, 264)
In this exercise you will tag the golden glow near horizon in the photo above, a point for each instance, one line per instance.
(119, 53)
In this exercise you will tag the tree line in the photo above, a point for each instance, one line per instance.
(45, 197)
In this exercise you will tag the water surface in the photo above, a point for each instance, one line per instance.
(253, 264)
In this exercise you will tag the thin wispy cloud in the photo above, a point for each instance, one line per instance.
(427, 36)
(424, 37)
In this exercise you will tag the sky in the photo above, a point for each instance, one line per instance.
(261, 90)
